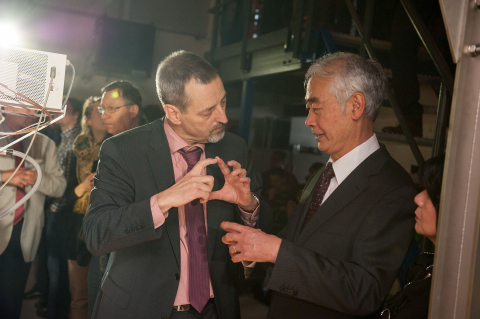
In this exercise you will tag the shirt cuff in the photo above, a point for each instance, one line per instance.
(157, 214)
(250, 219)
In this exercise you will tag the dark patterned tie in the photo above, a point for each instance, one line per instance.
(199, 277)
(323, 183)
(20, 190)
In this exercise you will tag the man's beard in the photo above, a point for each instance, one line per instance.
(215, 137)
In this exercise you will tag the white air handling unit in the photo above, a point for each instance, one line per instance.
(27, 72)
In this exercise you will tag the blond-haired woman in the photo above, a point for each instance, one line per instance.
(86, 148)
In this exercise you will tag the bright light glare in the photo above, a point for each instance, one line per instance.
(9, 34)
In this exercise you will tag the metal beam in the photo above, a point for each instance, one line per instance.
(429, 44)
(398, 113)
(367, 24)
(247, 109)
(442, 122)
(454, 293)
(246, 59)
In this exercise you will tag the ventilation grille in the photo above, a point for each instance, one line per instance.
(24, 72)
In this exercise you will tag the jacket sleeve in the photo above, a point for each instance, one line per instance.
(265, 214)
(359, 285)
(53, 182)
(114, 220)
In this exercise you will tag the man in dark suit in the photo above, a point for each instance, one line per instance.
(145, 207)
(346, 240)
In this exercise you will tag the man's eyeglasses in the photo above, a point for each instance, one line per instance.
(110, 109)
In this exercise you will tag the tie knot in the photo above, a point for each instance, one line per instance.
(192, 156)
(328, 172)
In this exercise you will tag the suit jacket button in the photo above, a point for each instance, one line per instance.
(177, 276)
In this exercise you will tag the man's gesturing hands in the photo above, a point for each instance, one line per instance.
(249, 244)
(194, 185)
(237, 186)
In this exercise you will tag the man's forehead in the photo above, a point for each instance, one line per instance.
(115, 94)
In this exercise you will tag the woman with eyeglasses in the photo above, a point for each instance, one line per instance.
(413, 300)
(86, 148)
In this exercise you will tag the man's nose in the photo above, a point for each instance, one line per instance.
(222, 116)
(310, 121)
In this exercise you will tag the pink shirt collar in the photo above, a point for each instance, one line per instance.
(175, 142)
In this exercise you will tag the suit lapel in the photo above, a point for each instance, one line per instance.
(346, 192)
(160, 162)
(305, 201)
(214, 214)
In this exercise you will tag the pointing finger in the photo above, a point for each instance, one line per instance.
(233, 227)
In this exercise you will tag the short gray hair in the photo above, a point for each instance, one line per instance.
(175, 71)
(350, 73)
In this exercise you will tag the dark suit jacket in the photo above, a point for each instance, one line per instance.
(344, 262)
(143, 272)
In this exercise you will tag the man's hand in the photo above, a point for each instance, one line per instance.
(249, 244)
(22, 178)
(192, 186)
(236, 189)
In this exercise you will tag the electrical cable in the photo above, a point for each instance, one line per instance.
(35, 186)
(51, 121)
(23, 159)
(35, 131)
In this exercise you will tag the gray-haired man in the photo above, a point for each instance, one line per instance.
(346, 240)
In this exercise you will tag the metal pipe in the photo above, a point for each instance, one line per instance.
(308, 27)
(246, 109)
(367, 25)
(429, 44)
(297, 35)
(440, 141)
(244, 63)
(216, 22)
(398, 113)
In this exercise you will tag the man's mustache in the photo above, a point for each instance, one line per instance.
(219, 125)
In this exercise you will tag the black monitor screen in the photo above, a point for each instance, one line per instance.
(124, 47)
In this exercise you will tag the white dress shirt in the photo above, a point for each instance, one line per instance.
(348, 162)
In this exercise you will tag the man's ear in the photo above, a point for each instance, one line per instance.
(133, 111)
(356, 105)
(173, 114)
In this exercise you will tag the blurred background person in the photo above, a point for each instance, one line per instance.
(413, 300)
(86, 148)
(57, 218)
(121, 110)
(282, 199)
(278, 159)
(20, 232)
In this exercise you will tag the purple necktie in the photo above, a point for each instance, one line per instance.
(199, 277)
(323, 183)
